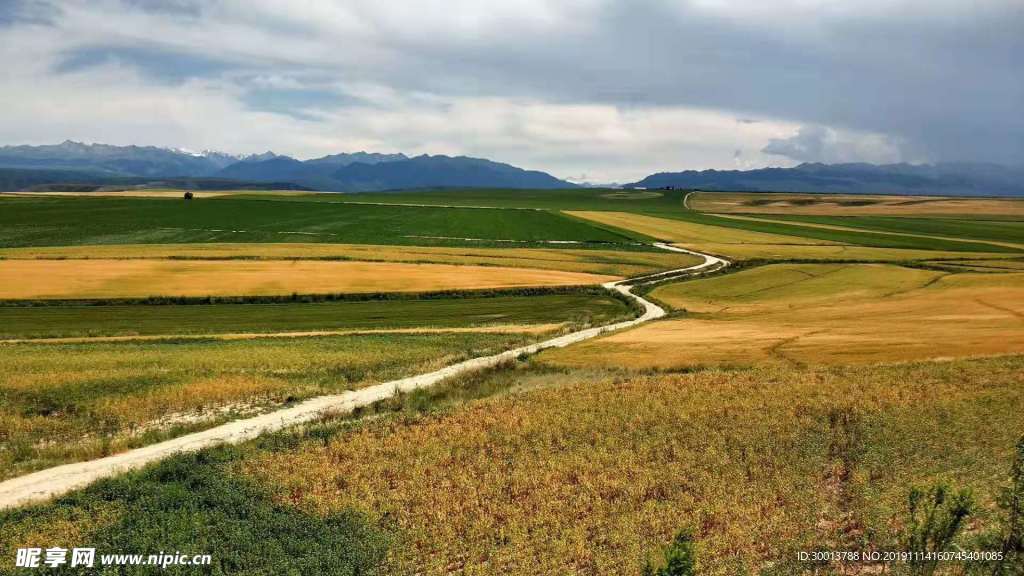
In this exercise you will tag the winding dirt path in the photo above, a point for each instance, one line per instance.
(59, 480)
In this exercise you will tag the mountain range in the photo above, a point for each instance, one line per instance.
(944, 179)
(88, 166)
(356, 172)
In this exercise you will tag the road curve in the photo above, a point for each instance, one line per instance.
(58, 480)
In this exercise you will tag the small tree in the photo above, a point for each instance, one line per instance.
(188, 195)
(935, 519)
(680, 558)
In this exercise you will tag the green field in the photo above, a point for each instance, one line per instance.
(60, 221)
(579, 306)
(999, 230)
(570, 199)
(669, 203)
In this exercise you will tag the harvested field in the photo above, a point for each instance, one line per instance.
(853, 204)
(815, 313)
(73, 279)
(611, 262)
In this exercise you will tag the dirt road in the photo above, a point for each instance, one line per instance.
(59, 480)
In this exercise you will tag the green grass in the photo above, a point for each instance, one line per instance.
(569, 199)
(670, 204)
(594, 307)
(998, 230)
(59, 221)
(854, 237)
(68, 402)
(193, 504)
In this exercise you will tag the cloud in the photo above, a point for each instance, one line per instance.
(823, 144)
(609, 88)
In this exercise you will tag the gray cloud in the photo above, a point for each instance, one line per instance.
(810, 144)
(873, 80)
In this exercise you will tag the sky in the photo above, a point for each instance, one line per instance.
(588, 90)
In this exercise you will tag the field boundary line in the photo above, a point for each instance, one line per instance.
(52, 482)
(231, 336)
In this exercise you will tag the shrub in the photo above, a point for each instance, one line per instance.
(680, 558)
(935, 519)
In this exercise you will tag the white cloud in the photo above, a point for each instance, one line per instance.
(611, 89)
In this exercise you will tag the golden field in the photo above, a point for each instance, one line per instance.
(97, 278)
(689, 233)
(852, 204)
(820, 313)
(609, 262)
(590, 473)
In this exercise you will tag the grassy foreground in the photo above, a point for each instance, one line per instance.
(69, 402)
(581, 472)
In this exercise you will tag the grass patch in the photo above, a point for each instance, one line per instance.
(61, 221)
(992, 230)
(195, 504)
(580, 306)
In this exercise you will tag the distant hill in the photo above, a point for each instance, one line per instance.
(369, 172)
(114, 160)
(79, 181)
(948, 179)
(360, 171)
(442, 171)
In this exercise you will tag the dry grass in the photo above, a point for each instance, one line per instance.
(587, 473)
(65, 402)
(853, 204)
(610, 262)
(816, 313)
(23, 279)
